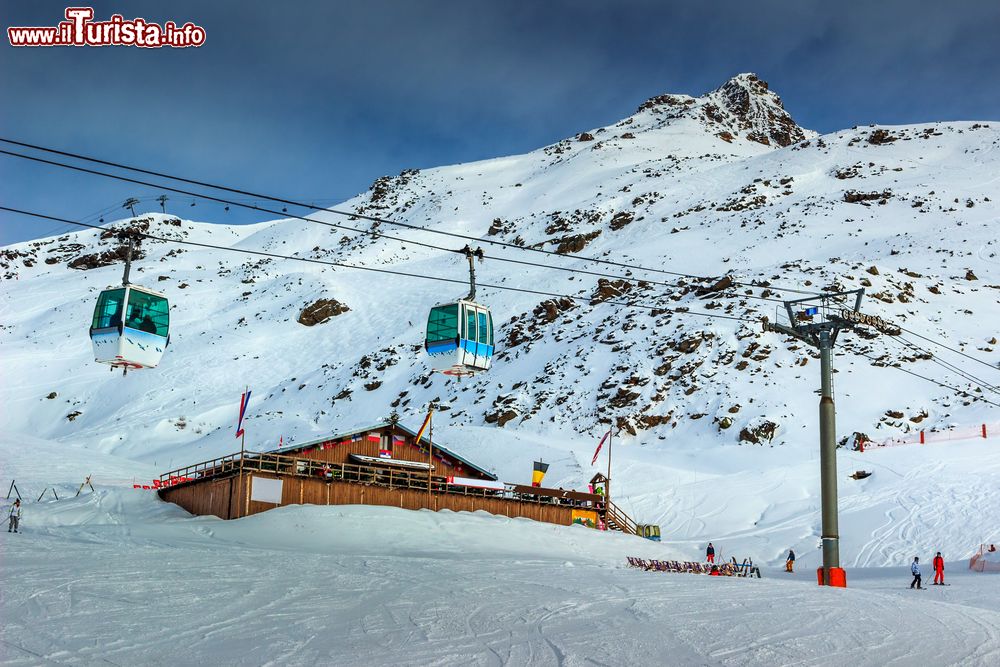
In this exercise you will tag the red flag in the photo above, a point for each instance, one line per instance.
(599, 445)
(244, 403)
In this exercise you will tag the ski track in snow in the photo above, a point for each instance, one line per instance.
(118, 577)
(102, 598)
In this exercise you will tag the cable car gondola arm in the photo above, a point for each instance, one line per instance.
(128, 260)
(470, 254)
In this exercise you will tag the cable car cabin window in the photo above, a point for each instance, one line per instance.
(148, 312)
(470, 324)
(489, 325)
(442, 323)
(485, 335)
(108, 312)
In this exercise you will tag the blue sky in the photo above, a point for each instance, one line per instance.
(315, 99)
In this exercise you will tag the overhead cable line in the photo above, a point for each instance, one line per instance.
(961, 392)
(261, 253)
(369, 218)
(950, 349)
(940, 344)
(405, 225)
(944, 364)
(373, 234)
(462, 282)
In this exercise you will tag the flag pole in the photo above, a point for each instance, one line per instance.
(607, 484)
(430, 451)
(243, 435)
(243, 441)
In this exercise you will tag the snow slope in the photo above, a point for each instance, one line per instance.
(116, 577)
(722, 184)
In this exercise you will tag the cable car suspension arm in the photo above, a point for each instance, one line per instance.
(471, 254)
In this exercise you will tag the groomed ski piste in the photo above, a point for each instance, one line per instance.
(116, 576)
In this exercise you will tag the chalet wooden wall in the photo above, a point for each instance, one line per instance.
(213, 496)
(217, 496)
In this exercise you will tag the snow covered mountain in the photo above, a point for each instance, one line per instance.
(725, 186)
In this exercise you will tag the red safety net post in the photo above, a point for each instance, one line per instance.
(984, 430)
(921, 437)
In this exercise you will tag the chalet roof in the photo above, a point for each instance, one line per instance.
(424, 439)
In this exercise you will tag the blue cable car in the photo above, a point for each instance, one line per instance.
(459, 336)
(131, 325)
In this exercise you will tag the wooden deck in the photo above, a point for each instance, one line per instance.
(223, 487)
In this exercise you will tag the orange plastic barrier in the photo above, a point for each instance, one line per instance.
(925, 437)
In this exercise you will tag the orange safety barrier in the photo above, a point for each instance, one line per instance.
(161, 484)
(925, 437)
(983, 561)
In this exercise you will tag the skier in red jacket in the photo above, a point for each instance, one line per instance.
(938, 570)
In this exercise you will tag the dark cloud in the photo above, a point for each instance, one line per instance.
(316, 99)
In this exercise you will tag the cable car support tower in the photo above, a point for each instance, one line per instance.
(814, 321)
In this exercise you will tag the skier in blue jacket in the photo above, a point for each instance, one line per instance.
(915, 569)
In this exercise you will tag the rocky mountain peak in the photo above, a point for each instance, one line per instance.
(743, 107)
(757, 109)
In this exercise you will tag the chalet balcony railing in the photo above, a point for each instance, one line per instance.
(372, 475)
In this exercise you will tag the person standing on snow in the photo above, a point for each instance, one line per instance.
(790, 561)
(938, 570)
(15, 516)
(710, 553)
(915, 569)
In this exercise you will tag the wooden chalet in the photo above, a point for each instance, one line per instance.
(384, 464)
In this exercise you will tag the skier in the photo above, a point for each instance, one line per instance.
(715, 572)
(915, 569)
(938, 570)
(790, 561)
(710, 553)
(15, 516)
